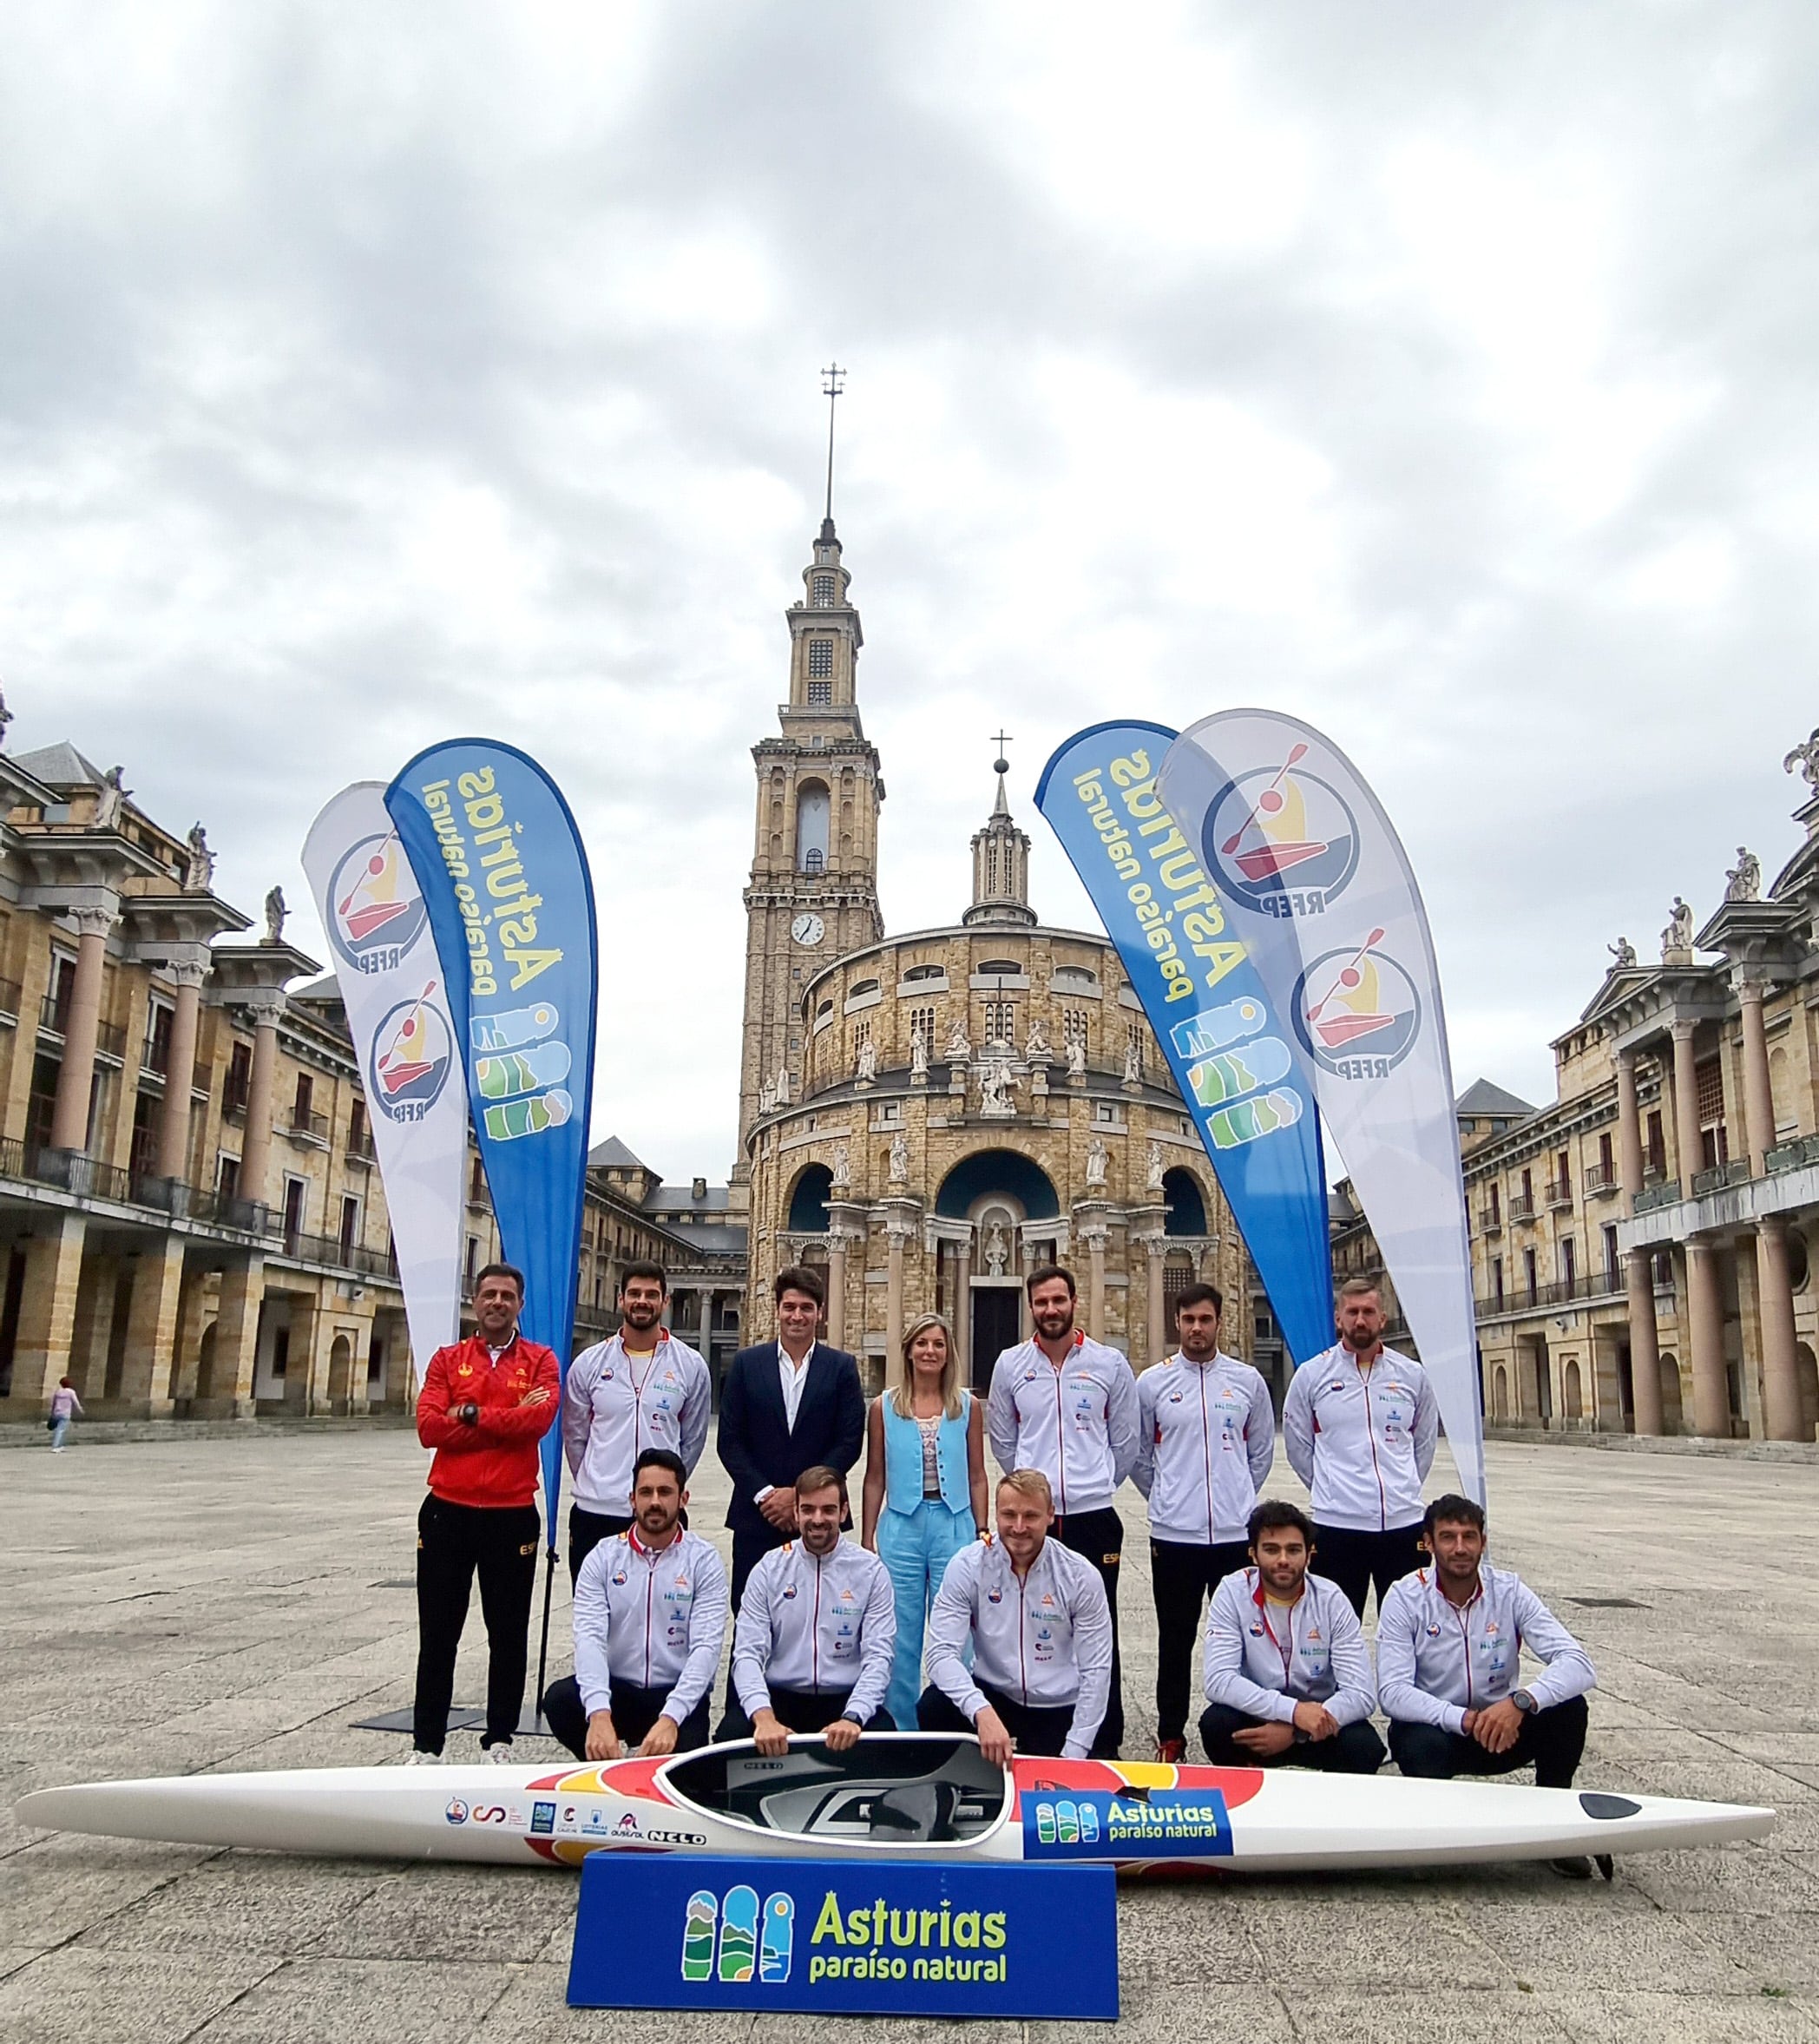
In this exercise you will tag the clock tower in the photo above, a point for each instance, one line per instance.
(813, 895)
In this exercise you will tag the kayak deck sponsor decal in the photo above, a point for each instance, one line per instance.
(1158, 1824)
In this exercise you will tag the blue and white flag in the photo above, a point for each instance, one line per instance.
(1321, 893)
(1210, 1011)
(502, 868)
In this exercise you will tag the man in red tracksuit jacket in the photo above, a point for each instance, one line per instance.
(484, 1405)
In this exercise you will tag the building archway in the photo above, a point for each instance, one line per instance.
(205, 1362)
(1571, 1397)
(1183, 1204)
(340, 1367)
(1499, 1395)
(1001, 1192)
(1806, 1375)
(808, 1200)
(1006, 1171)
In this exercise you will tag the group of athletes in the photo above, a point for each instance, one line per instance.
(929, 1615)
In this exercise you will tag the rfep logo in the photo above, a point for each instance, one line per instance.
(747, 1939)
(413, 1050)
(375, 912)
(1358, 1011)
(1282, 839)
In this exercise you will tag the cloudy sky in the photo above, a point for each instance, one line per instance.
(1441, 374)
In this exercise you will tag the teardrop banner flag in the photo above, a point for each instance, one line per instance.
(503, 871)
(1210, 1011)
(1321, 891)
(391, 981)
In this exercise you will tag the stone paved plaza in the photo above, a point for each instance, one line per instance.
(195, 1604)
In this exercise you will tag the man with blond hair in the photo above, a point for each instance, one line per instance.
(1036, 1618)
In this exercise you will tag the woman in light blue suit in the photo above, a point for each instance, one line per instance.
(924, 1488)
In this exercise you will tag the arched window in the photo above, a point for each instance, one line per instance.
(1001, 965)
(861, 986)
(926, 972)
(1184, 1210)
(1073, 979)
(808, 1202)
(811, 816)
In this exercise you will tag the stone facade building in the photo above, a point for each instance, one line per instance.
(191, 1219)
(929, 1116)
(1640, 1246)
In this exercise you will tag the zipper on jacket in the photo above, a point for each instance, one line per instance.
(1207, 1457)
(1376, 1468)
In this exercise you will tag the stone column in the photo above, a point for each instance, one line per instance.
(963, 1307)
(174, 1122)
(47, 1309)
(837, 1290)
(1705, 1327)
(1782, 1417)
(1644, 1346)
(897, 1237)
(1157, 1246)
(69, 1116)
(1629, 1124)
(145, 1384)
(92, 1334)
(303, 1393)
(236, 1342)
(1758, 1097)
(1096, 1283)
(1686, 1108)
(256, 1149)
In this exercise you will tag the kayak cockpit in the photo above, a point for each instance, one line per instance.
(888, 1790)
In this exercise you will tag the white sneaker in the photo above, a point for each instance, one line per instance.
(417, 1758)
(499, 1754)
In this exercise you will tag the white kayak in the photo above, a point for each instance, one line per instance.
(906, 1794)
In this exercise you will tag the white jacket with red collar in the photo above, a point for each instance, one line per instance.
(1362, 1440)
(1437, 1660)
(653, 1619)
(1076, 1423)
(1262, 1658)
(612, 1413)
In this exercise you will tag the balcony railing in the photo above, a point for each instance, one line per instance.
(1522, 1207)
(1794, 1155)
(110, 1039)
(1490, 1221)
(1667, 1194)
(1720, 1175)
(1524, 1299)
(310, 1127)
(235, 1095)
(226, 1210)
(1599, 1179)
(1560, 1192)
(338, 1255)
(12, 995)
(357, 1150)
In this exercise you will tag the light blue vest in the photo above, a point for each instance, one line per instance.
(903, 1459)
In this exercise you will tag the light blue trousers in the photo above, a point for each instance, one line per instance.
(916, 1546)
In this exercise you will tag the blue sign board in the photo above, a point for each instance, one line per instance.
(846, 1937)
(1167, 1823)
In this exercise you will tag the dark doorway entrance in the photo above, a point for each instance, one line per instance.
(996, 1328)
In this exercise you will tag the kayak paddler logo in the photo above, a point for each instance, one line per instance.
(456, 1812)
(1357, 1010)
(376, 908)
(732, 1940)
(412, 1051)
(518, 1069)
(1282, 839)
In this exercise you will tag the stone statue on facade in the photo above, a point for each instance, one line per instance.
(1624, 953)
(865, 1066)
(1077, 1058)
(1035, 1046)
(1098, 1156)
(997, 1090)
(959, 1049)
(767, 1097)
(199, 866)
(918, 1054)
(900, 1159)
(112, 797)
(6, 716)
(997, 1251)
(275, 914)
(1153, 1168)
(1744, 881)
(1677, 936)
(1133, 1062)
(1806, 757)
(840, 1176)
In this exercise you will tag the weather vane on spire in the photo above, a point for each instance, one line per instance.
(833, 382)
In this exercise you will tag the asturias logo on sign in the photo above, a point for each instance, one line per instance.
(413, 1050)
(375, 910)
(749, 1941)
(1166, 1823)
(1283, 840)
(1358, 1011)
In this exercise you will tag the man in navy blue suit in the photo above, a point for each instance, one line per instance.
(786, 1405)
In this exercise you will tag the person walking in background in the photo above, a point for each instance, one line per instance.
(485, 1403)
(64, 1406)
(924, 1496)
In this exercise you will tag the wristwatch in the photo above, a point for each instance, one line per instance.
(1523, 1701)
